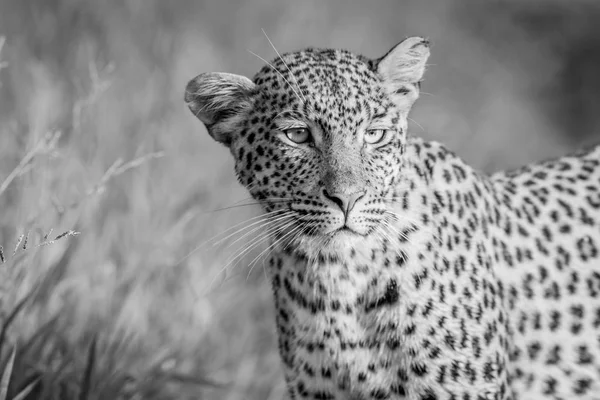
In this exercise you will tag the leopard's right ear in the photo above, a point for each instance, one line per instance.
(221, 101)
(402, 68)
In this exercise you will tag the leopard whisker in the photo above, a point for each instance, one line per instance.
(395, 230)
(318, 246)
(271, 246)
(406, 239)
(257, 203)
(383, 232)
(416, 123)
(206, 242)
(279, 240)
(280, 74)
(415, 222)
(261, 222)
(271, 231)
(236, 258)
(302, 230)
(284, 63)
(261, 218)
(275, 219)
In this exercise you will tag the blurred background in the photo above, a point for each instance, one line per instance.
(150, 300)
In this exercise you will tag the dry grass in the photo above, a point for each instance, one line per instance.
(133, 306)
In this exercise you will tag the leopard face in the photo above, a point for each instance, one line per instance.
(318, 138)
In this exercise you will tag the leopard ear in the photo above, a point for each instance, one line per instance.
(402, 68)
(221, 101)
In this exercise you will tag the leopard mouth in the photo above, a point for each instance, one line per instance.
(345, 231)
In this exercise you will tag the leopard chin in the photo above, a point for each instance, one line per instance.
(334, 245)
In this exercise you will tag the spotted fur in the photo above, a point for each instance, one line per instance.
(398, 271)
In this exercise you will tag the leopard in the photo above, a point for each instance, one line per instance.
(398, 271)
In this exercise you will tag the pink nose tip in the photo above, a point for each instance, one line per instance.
(344, 201)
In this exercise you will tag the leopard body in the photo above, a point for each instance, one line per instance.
(399, 271)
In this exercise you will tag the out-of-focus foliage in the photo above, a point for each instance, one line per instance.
(509, 82)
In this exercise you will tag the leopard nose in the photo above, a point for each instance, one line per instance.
(344, 201)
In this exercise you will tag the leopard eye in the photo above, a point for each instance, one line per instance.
(374, 136)
(297, 135)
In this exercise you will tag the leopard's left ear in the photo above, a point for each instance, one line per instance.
(402, 68)
(221, 101)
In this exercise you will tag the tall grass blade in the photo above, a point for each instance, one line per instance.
(12, 316)
(89, 369)
(6, 374)
(25, 392)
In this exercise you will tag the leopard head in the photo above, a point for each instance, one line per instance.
(318, 137)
